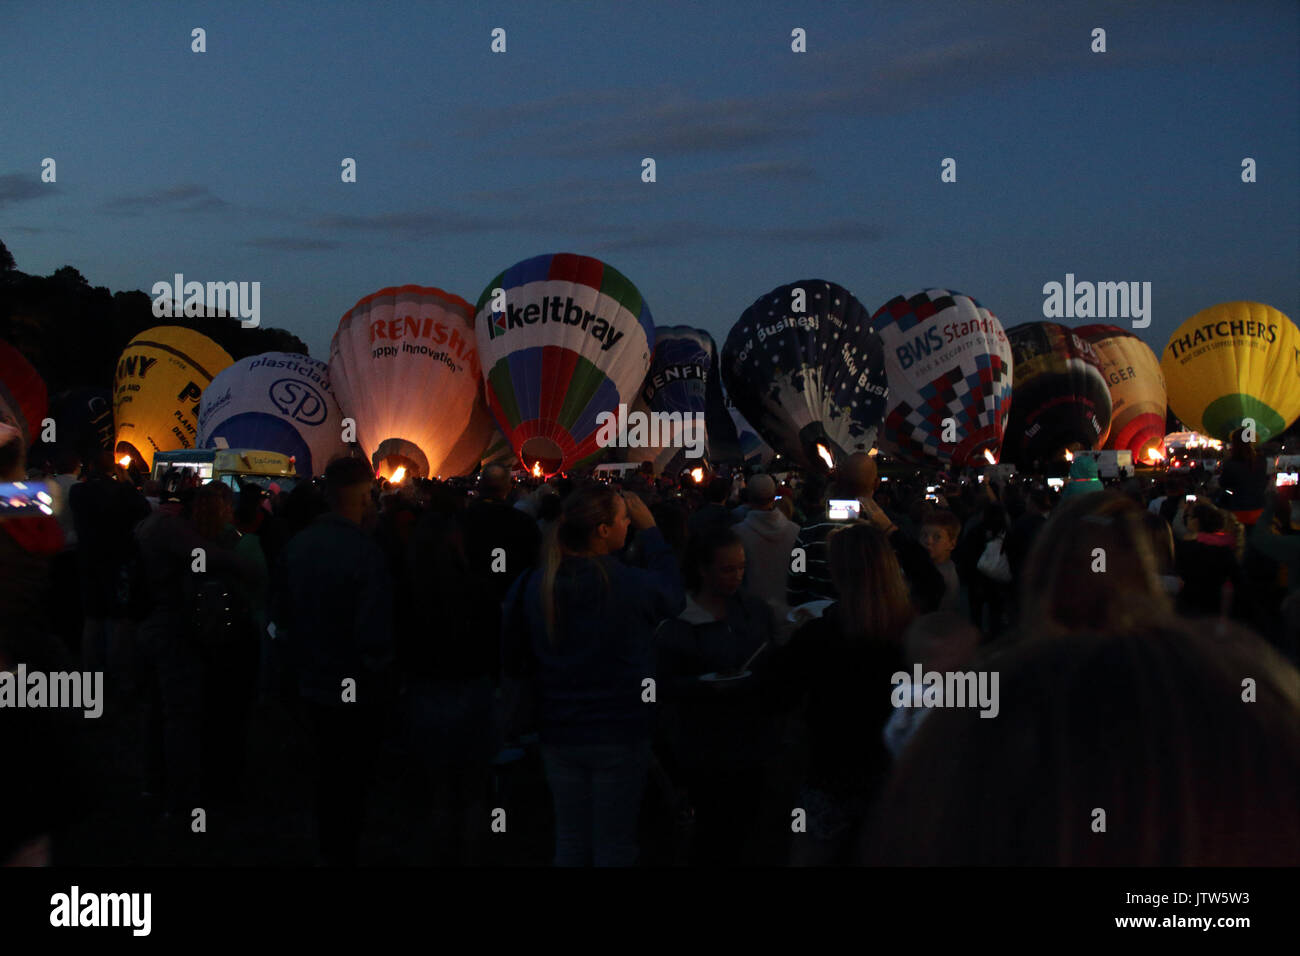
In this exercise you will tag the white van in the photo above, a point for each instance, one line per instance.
(1111, 463)
(616, 469)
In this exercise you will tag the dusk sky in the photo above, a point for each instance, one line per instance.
(772, 166)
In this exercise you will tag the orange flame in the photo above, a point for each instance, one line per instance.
(125, 461)
(398, 475)
(1069, 455)
(1155, 454)
(825, 454)
(697, 475)
(988, 456)
(537, 469)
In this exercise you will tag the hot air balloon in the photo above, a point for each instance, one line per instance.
(1059, 395)
(405, 368)
(683, 383)
(276, 401)
(160, 378)
(1137, 391)
(806, 369)
(1234, 361)
(949, 365)
(85, 421)
(23, 399)
(564, 338)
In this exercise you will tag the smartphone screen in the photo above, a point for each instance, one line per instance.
(1056, 483)
(25, 498)
(1191, 497)
(1285, 478)
(843, 509)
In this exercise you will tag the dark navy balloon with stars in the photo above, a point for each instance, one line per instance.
(807, 377)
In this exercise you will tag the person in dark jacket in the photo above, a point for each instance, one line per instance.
(1244, 480)
(843, 664)
(588, 628)
(337, 608)
(1207, 561)
(714, 514)
(718, 732)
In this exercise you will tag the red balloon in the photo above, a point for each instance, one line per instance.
(23, 399)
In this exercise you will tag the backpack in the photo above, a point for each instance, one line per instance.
(993, 563)
(215, 616)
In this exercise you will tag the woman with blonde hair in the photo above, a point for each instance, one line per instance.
(1093, 566)
(583, 625)
(842, 663)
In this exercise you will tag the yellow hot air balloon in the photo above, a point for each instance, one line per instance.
(1137, 391)
(1231, 362)
(160, 377)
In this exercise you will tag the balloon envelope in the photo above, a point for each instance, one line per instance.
(276, 401)
(805, 368)
(405, 368)
(1234, 361)
(160, 378)
(567, 339)
(683, 386)
(949, 365)
(85, 421)
(23, 398)
(1059, 396)
(1137, 390)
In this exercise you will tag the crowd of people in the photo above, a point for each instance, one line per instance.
(724, 645)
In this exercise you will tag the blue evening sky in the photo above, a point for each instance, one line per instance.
(772, 166)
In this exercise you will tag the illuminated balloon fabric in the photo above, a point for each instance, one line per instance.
(276, 401)
(23, 398)
(574, 340)
(946, 356)
(474, 441)
(1137, 389)
(1234, 361)
(160, 379)
(682, 381)
(1059, 395)
(404, 366)
(804, 378)
(85, 421)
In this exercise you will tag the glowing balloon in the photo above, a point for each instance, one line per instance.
(405, 368)
(276, 401)
(1059, 395)
(1231, 362)
(563, 338)
(805, 368)
(1137, 390)
(160, 378)
(23, 399)
(948, 361)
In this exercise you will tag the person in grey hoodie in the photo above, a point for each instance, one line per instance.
(768, 537)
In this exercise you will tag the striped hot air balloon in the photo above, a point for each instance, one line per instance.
(563, 338)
